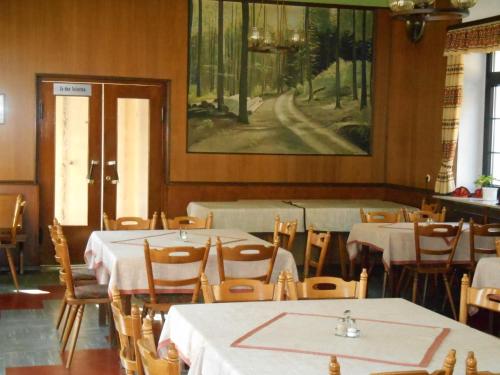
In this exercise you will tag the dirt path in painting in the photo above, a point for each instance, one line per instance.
(277, 127)
(312, 133)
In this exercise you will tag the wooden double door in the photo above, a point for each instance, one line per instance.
(100, 149)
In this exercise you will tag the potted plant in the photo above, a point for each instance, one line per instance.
(485, 182)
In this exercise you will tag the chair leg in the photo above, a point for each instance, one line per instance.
(415, 286)
(450, 296)
(78, 322)
(426, 281)
(12, 267)
(400, 281)
(69, 326)
(65, 321)
(384, 284)
(62, 310)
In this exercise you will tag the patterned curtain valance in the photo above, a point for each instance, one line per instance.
(483, 38)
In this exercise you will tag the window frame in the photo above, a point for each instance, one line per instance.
(492, 80)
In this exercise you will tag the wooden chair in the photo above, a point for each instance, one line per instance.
(130, 223)
(424, 216)
(483, 298)
(77, 296)
(431, 207)
(285, 232)
(128, 328)
(323, 287)
(8, 240)
(246, 253)
(181, 255)
(153, 365)
(316, 241)
(471, 366)
(486, 230)
(334, 368)
(441, 267)
(497, 247)
(243, 290)
(381, 216)
(187, 222)
(447, 369)
(80, 276)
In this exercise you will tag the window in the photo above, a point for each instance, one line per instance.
(491, 160)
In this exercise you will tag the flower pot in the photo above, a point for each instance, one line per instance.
(490, 193)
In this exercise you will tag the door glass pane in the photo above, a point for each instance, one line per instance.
(71, 160)
(133, 157)
(496, 62)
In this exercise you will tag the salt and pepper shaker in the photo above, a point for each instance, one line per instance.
(346, 326)
(183, 234)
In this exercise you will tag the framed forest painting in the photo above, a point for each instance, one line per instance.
(270, 78)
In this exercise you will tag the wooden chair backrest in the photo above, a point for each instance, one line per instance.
(433, 207)
(7, 207)
(443, 231)
(486, 230)
(175, 255)
(423, 216)
(152, 364)
(447, 369)
(16, 219)
(246, 253)
(334, 367)
(285, 232)
(62, 252)
(325, 287)
(243, 290)
(380, 216)
(471, 366)
(484, 298)
(316, 241)
(497, 247)
(130, 223)
(187, 222)
(55, 230)
(128, 328)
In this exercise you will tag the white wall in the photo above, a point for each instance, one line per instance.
(470, 142)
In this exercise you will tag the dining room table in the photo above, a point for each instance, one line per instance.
(396, 242)
(298, 337)
(487, 273)
(118, 258)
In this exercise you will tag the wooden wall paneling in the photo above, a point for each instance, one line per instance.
(143, 39)
(30, 219)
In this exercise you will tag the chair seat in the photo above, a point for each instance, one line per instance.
(91, 291)
(83, 274)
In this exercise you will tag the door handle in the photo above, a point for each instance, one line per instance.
(114, 179)
(90, 179)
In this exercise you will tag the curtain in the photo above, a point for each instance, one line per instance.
(445, 181)
(484, 38)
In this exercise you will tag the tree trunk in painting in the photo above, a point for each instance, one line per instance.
(363, 65)
(354, 58)
(243, 112)
(198, 60)
(308, 53)
(337, 63)
(220, 57)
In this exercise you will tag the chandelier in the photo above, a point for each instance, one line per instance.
(260, 39)
(416, 13)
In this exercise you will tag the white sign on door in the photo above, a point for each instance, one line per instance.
(72, 89)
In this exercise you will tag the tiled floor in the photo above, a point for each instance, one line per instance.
(28, 336)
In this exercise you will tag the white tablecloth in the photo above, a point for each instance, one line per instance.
(339, 215)
(487, 274)
(118, 257)
(254, 216)
(255, 338)
(336, 215)
(397, 242)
